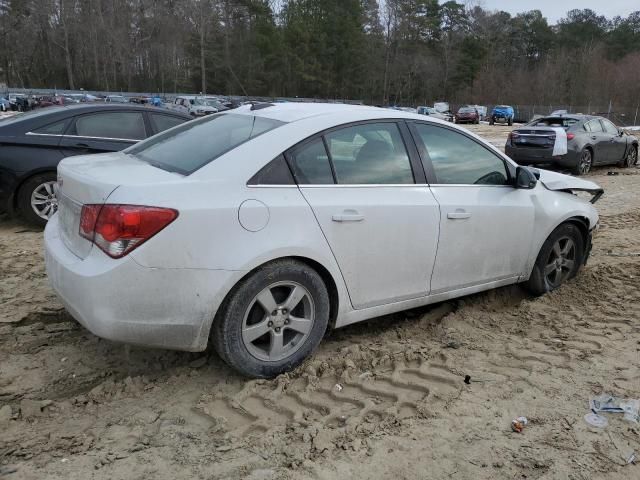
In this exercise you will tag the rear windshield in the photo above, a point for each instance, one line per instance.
(467, 110)
(554, 122)
(190, 146)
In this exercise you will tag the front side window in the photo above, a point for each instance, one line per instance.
(117, 125)
(192, 145)
(372, 153)
(609, 127)
(460, 160)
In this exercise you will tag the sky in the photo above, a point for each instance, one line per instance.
(556, 9)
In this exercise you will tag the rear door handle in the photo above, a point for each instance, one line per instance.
(348, 216)
(81, 145)
(460, 215)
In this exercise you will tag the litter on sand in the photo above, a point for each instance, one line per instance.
(518, 424)
(595, 420)
(610, 404)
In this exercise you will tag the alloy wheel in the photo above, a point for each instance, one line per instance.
(278, 321)
(585, 162)
(632, 157)
(561, 261)
(44, 199)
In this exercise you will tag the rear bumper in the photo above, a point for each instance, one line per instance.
(123, 301)
(540, 156)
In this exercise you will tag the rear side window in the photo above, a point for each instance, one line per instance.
(373, 153)
(310, 164)
(192, 145)
(165, 122)
(276, 172)
(116, 125)
(56, 128)
(595, 126)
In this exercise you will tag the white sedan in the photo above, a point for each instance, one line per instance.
(260, 228)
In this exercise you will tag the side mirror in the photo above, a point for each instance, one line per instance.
(620, 132)
(525, 178)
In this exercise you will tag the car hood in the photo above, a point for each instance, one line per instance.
(567, 183)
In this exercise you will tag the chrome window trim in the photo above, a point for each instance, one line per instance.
(45, 134)
(106, 138)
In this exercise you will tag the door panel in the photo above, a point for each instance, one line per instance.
(384, 238)
(616, 145)
(76, 145)
(485, 235)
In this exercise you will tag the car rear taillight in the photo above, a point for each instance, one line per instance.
(118, 229)
(570, 136)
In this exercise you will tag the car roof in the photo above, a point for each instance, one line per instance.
(44, 116)
(296, 111)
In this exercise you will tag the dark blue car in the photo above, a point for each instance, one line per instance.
(502, 114)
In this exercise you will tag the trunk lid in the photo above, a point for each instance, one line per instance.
(91, 180)
(533, 137)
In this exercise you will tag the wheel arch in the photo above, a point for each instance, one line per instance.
(325, 274)
(13, 199)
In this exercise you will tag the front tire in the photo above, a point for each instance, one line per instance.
(632, 157)
(38, 198)
(272, 320)
(559, 260)
(492, 121)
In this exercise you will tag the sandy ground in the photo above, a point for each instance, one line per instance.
(381, 399)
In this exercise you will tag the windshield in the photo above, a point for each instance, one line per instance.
(467, 110)
(118, 99)
(190, 146)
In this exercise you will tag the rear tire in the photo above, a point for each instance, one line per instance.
(38, 193)
(584, 164)
(510, 122)
(261, 331)
(492, 121)
(559, 260)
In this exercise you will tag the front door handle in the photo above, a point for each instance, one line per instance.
(593, 137)
(81, 145)
(348, 216)
(458, 215)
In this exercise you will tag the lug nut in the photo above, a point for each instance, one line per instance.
(277, 329)
(286, 322)
(284, 310)
(270, 324)
(274, 313)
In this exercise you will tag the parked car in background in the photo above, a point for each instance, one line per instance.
(5, 105)
(116, 99)
(590, 141)
(194, 106)
(482, 111)
(502, 114)
(432, 112)
(32, 145)
(13, 100)
(442, 107)
(467, 115)
(216, 232)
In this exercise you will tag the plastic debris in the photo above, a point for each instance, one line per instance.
(610, 404)
(518, 424)
(632, 458)
(467, 379)
(595, 420)
(339, 387)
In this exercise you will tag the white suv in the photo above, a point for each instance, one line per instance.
(194, 106)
